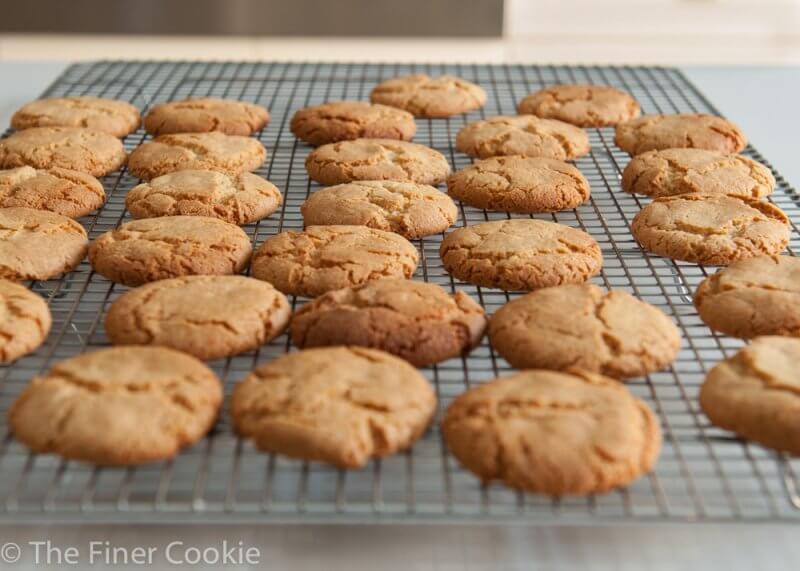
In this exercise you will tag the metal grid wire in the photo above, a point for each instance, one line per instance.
(703, 473)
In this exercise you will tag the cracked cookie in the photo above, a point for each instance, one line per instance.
(24, 321)
(416, 321)
(347, 120)
(117, 118)
(324, 258)
(168, 247)
(682, 130)
(520, 254)
(339, 405)
(711, 229)
(73, 148)
(427, 96)
(581, 105)
(63, 191)
(520, 184)
(206, 114)
(198, 151)
(376, 159)
(210, 317)
(553, 433)
(407, 208)
(751, 297)
(119, 406)
(607, 332)
(756, 393)
(39, 245)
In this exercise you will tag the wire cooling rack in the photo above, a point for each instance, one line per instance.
(703, 473)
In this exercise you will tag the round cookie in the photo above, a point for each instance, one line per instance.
(73, 148)
(607, 332)
(682, 130)
(339, 405)
(711, 229)
(197, 151)
(63, 191)
(24, 321)
(119, 406)
(117, 118)
(206, 114)
(520, 254)
(239, 198)
(406, 208)
(581, 105)
(324, 258)
(416, 321)
(751, 297)
(210, 317)
(756, 393)
(39, 245)
(682, 171)
(426, 96)
(376, 159)
(525, 135)
(168, 247)
(520, 184)
(336, 121)
(553, 433)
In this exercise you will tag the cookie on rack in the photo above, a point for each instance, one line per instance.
(427, 96)
(24, 321)
(681, 130)
(581, 105)
(112, 116)
(336, 121)
(206, 114)
(63, 191)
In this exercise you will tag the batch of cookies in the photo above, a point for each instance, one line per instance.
(564, 424)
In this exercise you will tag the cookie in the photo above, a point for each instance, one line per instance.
(581, 105)
(407, 208)
(525, 135)
(520, 254)
(168, 247)
(210, 317)
(751, 297)
(416, 321)
(117, 118)
(376, 159)
(39, 245)
(520, 184)
(426, 96)
(682, 171)
(206, 114)
(73, 148)
(553, 433)
(196, 151)
(338, 405)
(119, 406)
(324, 258)
(756, 393)
(712, 229)
(682, 130)
(583, 326)
(63, 191)
(24, 321)
(336, 121)
(236, 198)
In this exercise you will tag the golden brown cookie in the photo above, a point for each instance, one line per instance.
(340, 405)
(324, 258)
(682, 130)
(712, 229)
(198, 151)
(410, 209)
(73, 148)
(416, 321)
(118, 406)
(112, 116)
(168, 247)
(336, 121)
(210, 317)
(63, 191)
(581, 105)
(206, 114)
(236, 198)
(583, 326)
(376, 159)
(24, 321)
(520, 184)
(520, 254)
(553, 433)
(756, 393)
(426, 96)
